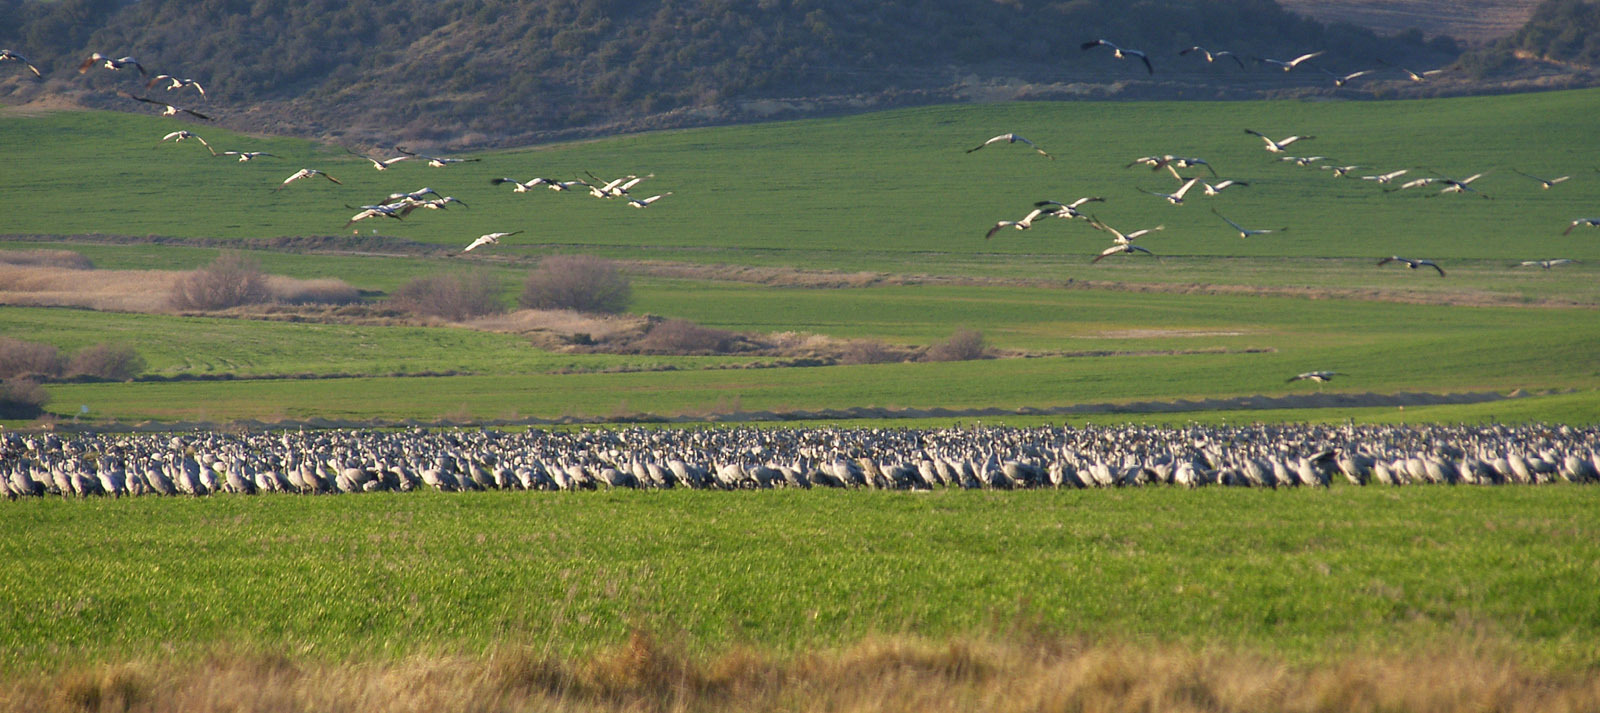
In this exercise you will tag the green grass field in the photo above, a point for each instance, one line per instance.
(891, 193)
(150, 598)
(1307, 575)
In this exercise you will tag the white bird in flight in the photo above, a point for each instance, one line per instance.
(1591, 222)
(488, 239)
(109, 63)
(1544, 183)
(1413, 264)
(1213, 56)
(1068, 210)
(436, 161)
(183, 134)
(645, 202)
(1217, 188)
(1247, 232)
(524, 187)
(247, 155)
(1387, 177)
(1291, 64)
(384, 164)
(175, 83)
(13, 56)
(1460, 186)
(1011, 139)
(1546, 264)
(1277, 146)
(305, 173)
(1023, 224)
(167, 109)
(1124, 241)
(1340, 81)
(1175, 198)
(1317, 376)
(1120, 53)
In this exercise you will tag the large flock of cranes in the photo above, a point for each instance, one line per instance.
(333, 462)
(1190, 182)
(397, 206)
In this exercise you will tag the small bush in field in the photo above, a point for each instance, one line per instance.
(577, 282)
(22, 398)
(107, 361)
(453, 297)
(964, 345)
(680, 336)
(20, 358)
(325, 291)
(867, 351)
(231, 280)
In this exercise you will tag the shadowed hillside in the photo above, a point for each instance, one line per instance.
(496, 72)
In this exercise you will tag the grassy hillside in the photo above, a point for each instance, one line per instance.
(843, 191)
(494, 72)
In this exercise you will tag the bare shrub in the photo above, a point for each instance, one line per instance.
(453, 297)
(867, 351)
(19, 358)
(680, 336)
(963, 345)
(231, 280)
(107, 361)
(46, 258)
(578, 282)
(322, 291)
(22, 398)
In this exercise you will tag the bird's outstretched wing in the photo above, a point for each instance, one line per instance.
(1147, 67)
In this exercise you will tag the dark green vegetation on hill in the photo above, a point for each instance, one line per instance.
(1561, 31)
(503, 72)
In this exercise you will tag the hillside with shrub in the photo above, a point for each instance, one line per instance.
(1563, 33)
(497, 72)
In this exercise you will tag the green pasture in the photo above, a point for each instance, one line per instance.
(1313, 575)
(894, 194)
(885, 187)
(1085, 346)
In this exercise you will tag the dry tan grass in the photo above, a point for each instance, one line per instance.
(109, 290)
(56, 258)
(1019, 673)
(47, 285)
(563, 324)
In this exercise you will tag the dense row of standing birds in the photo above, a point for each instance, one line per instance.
(358, 461)
(395, 206)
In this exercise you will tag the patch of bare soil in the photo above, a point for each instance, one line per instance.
(1475, 22)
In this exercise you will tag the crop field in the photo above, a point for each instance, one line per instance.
(890, 206)
(853, 228)
(1306, 578)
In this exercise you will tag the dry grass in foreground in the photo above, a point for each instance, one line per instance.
(882, 674)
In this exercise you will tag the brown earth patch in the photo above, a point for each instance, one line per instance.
(1472, 21)
(781, 276)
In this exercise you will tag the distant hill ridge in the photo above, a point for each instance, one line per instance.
(468, 73)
